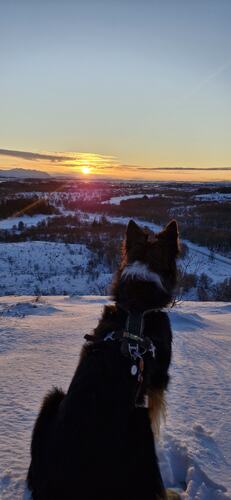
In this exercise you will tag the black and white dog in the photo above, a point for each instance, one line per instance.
(97, 441)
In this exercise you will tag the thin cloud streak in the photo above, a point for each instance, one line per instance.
(203, 83)
(28, 155)
(80, 159)
(201, 169)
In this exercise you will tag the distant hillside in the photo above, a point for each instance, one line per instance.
(22, 173)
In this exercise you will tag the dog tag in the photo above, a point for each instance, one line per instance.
(134, 370)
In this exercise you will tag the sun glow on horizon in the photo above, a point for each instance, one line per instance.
(86, 170)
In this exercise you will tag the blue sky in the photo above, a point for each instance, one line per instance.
(146, 83)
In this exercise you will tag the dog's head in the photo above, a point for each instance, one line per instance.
(147, 275)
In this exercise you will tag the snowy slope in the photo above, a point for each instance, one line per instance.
(39, 347)
(46, 268)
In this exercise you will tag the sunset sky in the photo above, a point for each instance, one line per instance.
(120, 88)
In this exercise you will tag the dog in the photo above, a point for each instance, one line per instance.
(96, 442)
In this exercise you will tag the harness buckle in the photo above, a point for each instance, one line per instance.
(134, 351)
(152, 350)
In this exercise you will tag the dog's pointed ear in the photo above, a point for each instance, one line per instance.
(171, 235)
(171, 230)
(134, 235)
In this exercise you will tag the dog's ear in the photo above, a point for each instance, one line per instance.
(171, 235)
(171, 230)
(134, 235)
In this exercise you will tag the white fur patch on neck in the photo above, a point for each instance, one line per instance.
(139, 270)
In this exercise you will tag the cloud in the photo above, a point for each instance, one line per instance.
(156, 169)
(28, 155)
(70, 159)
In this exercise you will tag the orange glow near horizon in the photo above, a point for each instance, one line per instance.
(104, 166)
(86, 170)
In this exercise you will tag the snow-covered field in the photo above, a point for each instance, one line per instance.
(115, 200)
(49, 268)
(40, 344)
(27, 220)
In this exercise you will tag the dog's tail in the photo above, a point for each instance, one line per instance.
(50, 404)
(47, 412)
(46, 415)
(157, 409)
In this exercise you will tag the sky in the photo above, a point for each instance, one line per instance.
(121, 88)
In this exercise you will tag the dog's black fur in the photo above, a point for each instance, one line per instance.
(93, 443)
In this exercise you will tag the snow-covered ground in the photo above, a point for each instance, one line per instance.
(115, 200)
(40, 344)
(27, 220)
(219, 197)
(49, 268)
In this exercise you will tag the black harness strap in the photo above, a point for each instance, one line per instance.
(134, 323)
(133, 345)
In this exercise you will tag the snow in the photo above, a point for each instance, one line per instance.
(26, 219)
(40, 345)
(44, 268)
(115, 200)
(219, 197)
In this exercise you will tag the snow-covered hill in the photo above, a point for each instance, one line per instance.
(50, 268)
(40, 344)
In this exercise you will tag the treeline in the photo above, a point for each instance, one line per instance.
(203, 286)
(26, 206)
(217, 189)
(208, 224)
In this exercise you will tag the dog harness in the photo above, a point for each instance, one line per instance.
(133, 344)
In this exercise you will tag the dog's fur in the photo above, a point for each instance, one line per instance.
(93, 443)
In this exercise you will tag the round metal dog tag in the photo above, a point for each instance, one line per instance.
(134, 370)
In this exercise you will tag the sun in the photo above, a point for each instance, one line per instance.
(86, 170)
